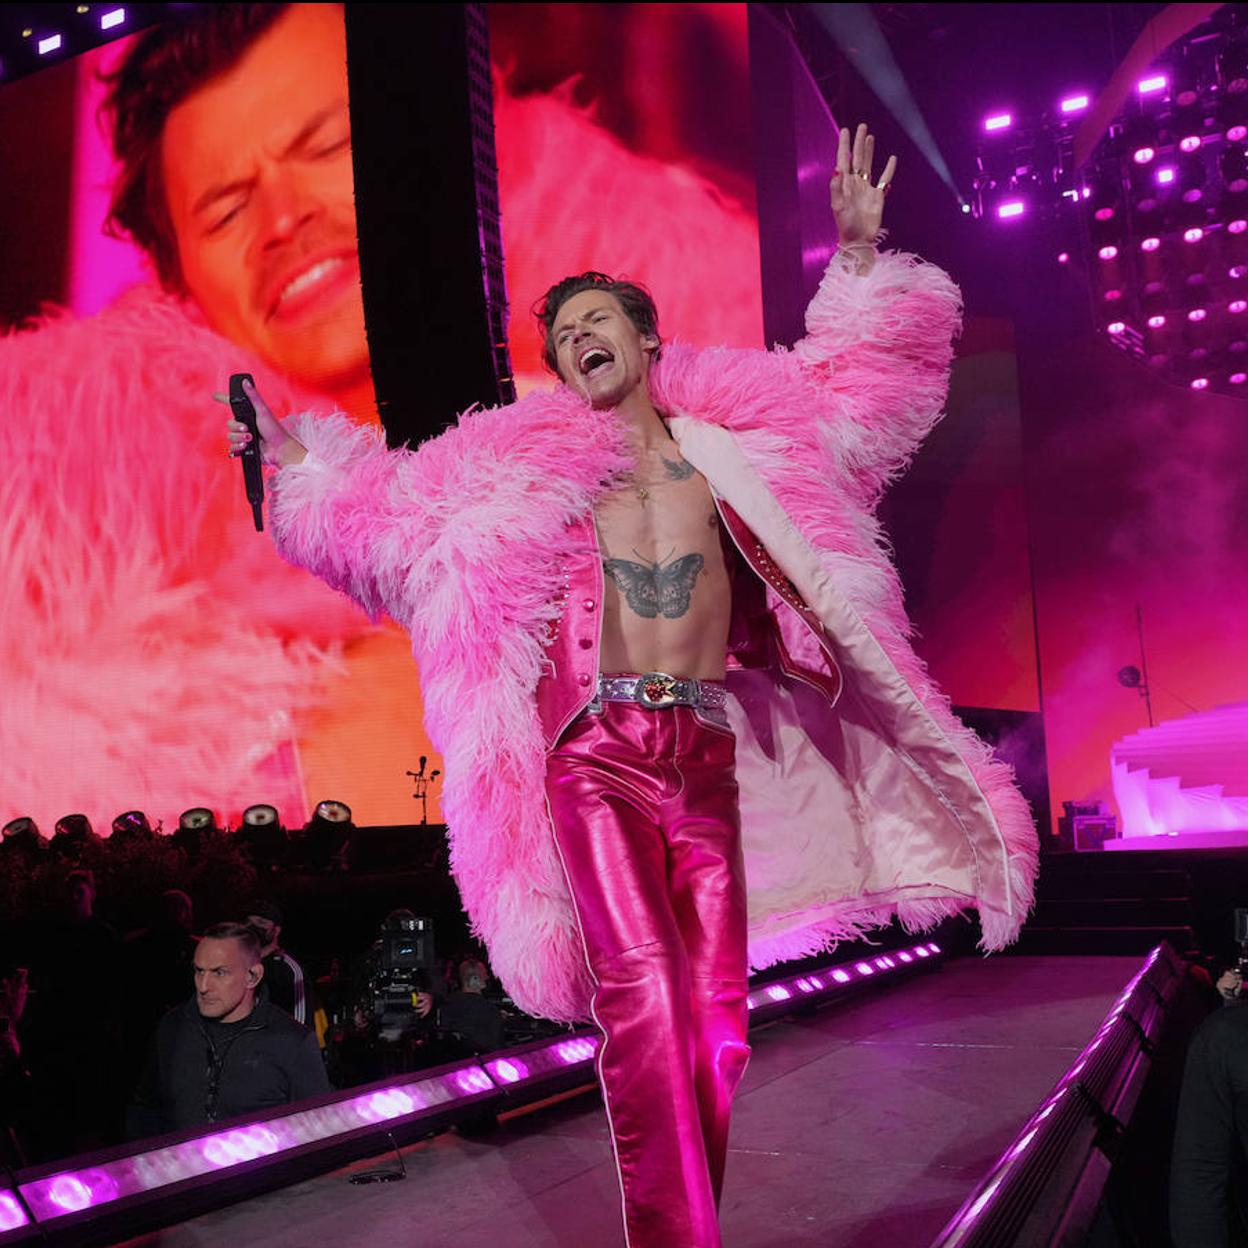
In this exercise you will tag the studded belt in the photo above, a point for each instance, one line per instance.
(657, 689)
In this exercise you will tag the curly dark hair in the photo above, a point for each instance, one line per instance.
(167, 64)
(636, 300)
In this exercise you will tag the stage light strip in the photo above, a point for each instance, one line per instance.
(965, 1222)
(74, 1191)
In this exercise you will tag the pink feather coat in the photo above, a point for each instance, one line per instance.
(886, 806)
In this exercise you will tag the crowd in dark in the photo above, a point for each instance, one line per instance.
(112, 993)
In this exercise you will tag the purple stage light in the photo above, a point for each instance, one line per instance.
(1165, 176)
(572, 1051)
(1238, 226)
(904, 956)
(841, 977)
(1015, 208)
(1115, 328)
(248, 1143)
(1237, 270)
(1150, 244)
(1236, 306)
(49, 44)
(1075, 104)
(777, 992)
(473, 1080)
(1063, 257)
(1108, 253)
(1189, 144)
(508, 1070)
(1194, 235)
(1104, 214)
(1237, 134)
(1200, 383)
(1197, 314)
(114, 17)
(1152, 84)
(1142, 155)
(865, 968)
(921, 951)
(1156, 322)
(1112, 296)
(12, 1215)
(1236, 379)
(999, 121)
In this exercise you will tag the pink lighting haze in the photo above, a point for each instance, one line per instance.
(1142, 155)
(1236, 306)
(1103, 214)
(1150, 244)
(1238, 226)
(1236, 133)
(1112, 295)
(1238, 379)
(1075, 104)
(1014, 208)
(1107, 253)
(1194, 235)
(1156, 322)
(1190, 143)
(1165, 176)
(1001, 121)
(1150, 86)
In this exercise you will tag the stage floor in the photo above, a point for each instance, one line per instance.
(867, 1123)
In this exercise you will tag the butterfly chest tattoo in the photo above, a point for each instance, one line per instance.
(652, 589)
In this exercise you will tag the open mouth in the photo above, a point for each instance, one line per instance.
(594, 360)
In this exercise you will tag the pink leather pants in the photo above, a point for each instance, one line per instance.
(644, 806)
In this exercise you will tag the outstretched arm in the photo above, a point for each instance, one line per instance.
(333, 498)
(880, 329)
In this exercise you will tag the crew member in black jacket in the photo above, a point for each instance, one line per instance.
(224, 1052)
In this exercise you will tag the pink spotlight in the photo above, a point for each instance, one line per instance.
(1015, 208)
(51, 44)
(1194, 235)
(904, 956)
(933, 946)
(1197, 314)
(114, 17)
(777, 992)
(841, 977)
(1150, 244)
(1165, 176)
(1190, 143)
(1236, 379)
(999, 121)
(1238, 226)
(1115, 328)
(1107, 253)
(921, 951)
(1112, 296)
(1103, 214)
(1236, 306)
(1156, 322)
(1142, 155)
(509, 1071)
(865, 968)
(70, 1193)
(1200, 383)
(1075, 104)
(1236, 133)
(1063, 257)
(1150, 86)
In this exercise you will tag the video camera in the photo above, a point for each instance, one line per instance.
(405, 966)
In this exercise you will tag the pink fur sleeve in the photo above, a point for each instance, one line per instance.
(328, 514)
(880, 346)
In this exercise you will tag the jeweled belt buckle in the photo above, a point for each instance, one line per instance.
(657, 689)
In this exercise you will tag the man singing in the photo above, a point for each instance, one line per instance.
(664, 656)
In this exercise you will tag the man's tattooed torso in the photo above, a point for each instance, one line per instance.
(652, 589)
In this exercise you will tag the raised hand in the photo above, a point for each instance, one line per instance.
(276, 445)
(857, 202)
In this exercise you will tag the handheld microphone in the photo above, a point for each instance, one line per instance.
(253, 476)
